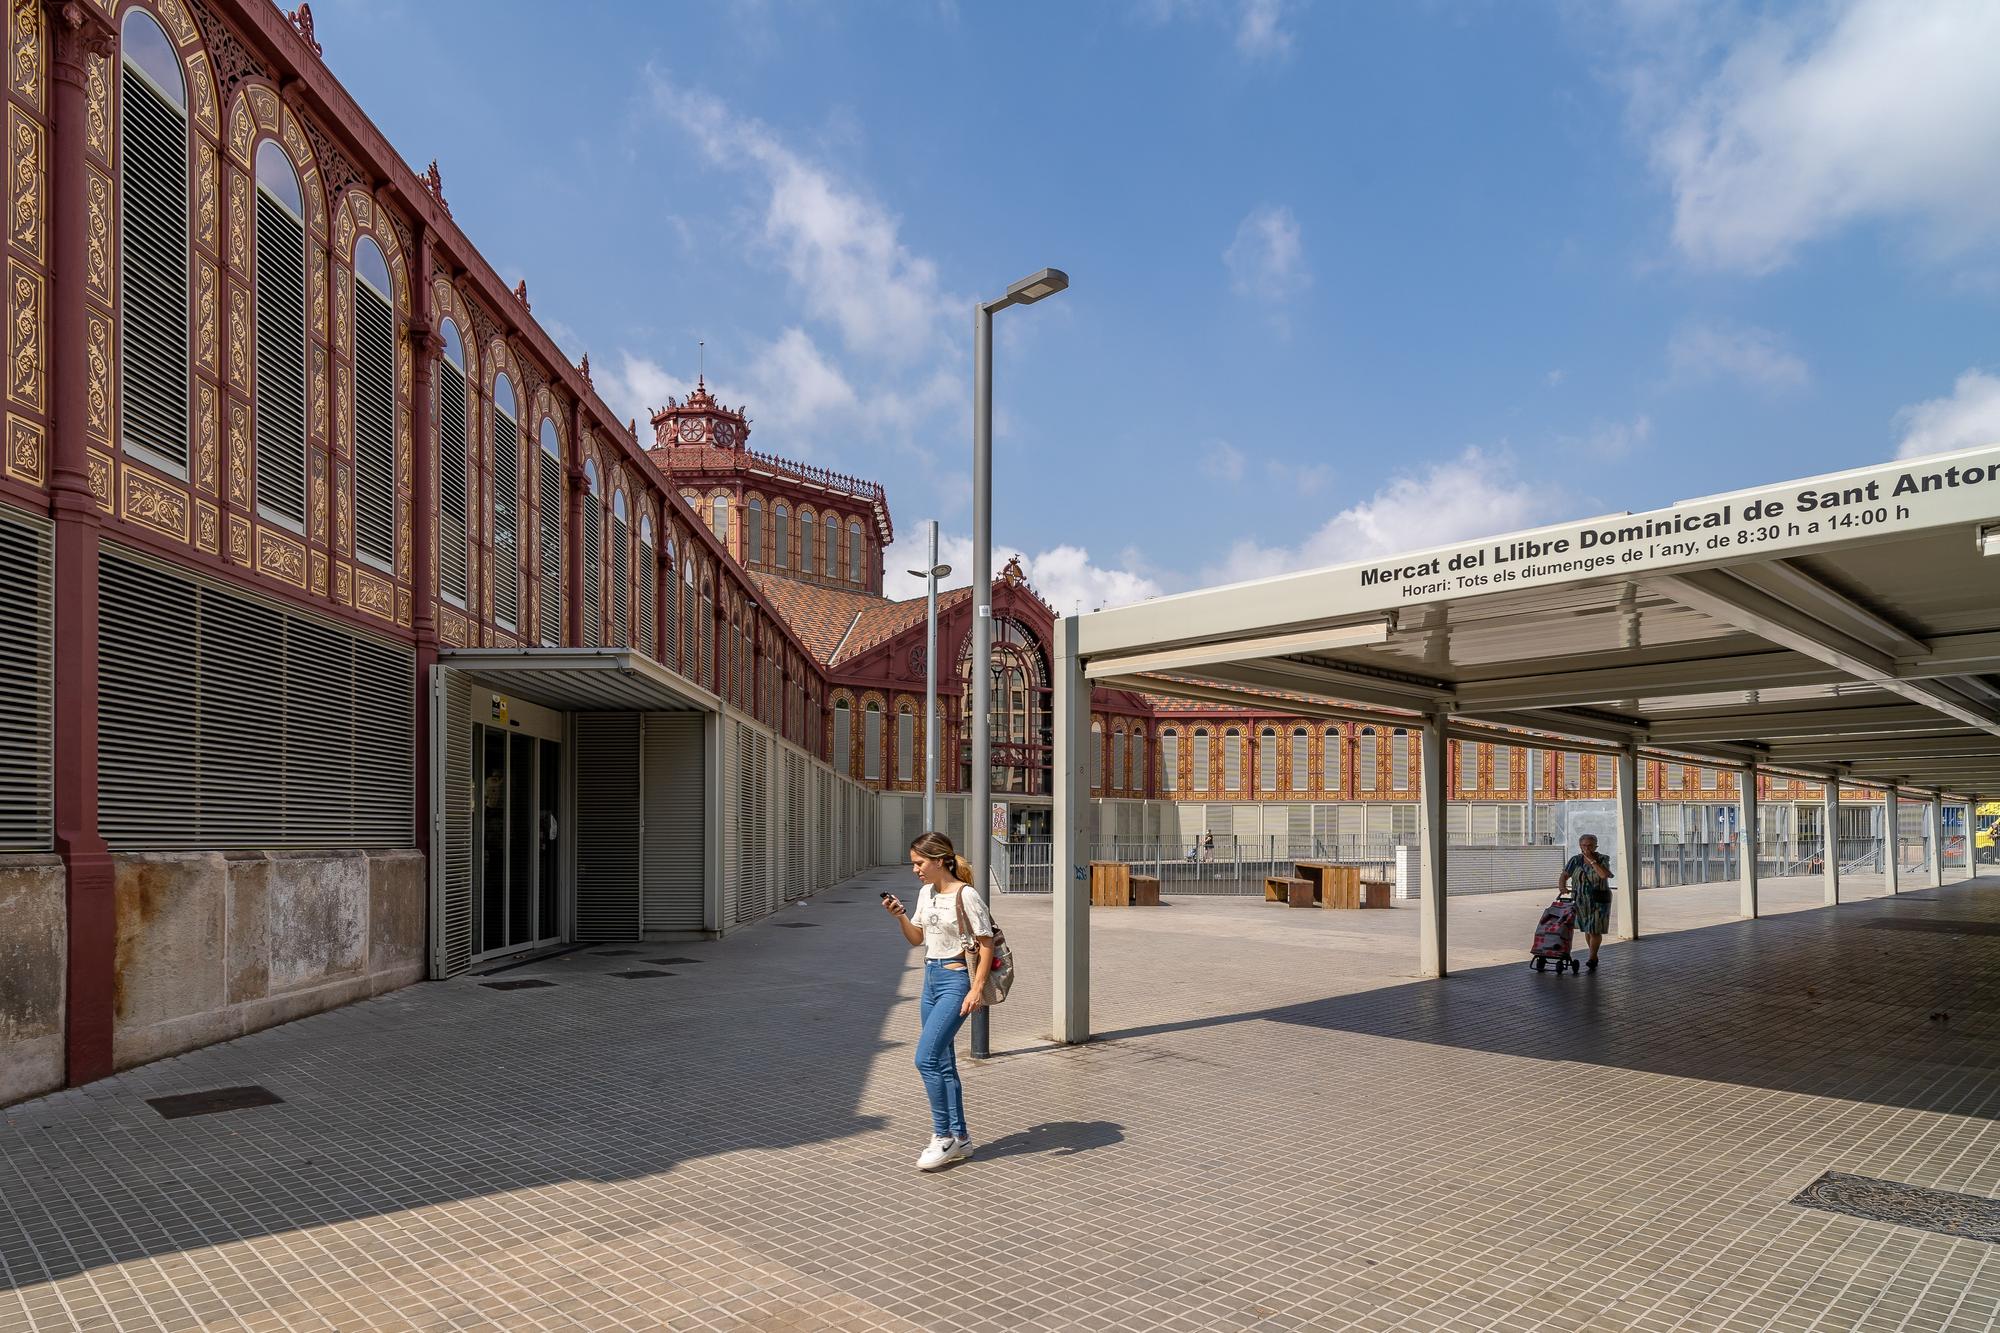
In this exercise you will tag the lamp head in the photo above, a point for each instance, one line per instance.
(1037, 285)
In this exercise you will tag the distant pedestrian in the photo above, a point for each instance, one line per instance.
(1208, 846)
(1590, 875)
(954, 927)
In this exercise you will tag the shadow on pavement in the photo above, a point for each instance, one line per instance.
(1058, 1138)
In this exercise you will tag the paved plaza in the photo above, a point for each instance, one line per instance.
(1280, 1129)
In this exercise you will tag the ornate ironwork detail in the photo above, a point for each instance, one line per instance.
(100, 466)
(233, 61)
(205, 167)
(26, 450)
(207, 527)
(239, 337)
(155, 504)
(177, 23)
(97, 242)
(374, 594)
(205, 434)
(434, 182)
(26, 176)
(201, 83)
(25, 51)
(239, 539)
(25, 382)
(301, 20)
(97, 376)
(96, 108)
(206, 337)
(318, 574)
(239, 454)
(239, 220)
(281, 557)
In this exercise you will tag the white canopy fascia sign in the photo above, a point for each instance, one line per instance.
(1769, 522)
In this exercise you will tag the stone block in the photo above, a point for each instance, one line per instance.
(398, 911)
(34, 940)
(317, 918)
(249, 926)
(187, 1032)
(260, 1014)
(172, 916)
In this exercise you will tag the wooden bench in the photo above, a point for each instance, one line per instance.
(1291, 890)
(1334, 885)
(1110, 884)
(1377, 893)
(1145, 890)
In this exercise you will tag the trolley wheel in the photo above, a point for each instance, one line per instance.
(1540, 965)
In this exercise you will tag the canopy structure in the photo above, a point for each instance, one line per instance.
(1843, 627)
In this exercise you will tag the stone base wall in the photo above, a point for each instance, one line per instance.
(213, 945)
(34, 959)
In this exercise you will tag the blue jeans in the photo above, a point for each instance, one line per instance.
(937, 1060)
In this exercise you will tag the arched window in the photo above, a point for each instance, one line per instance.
(549, 503)
(280, 284)
(871, 743)
(843, 731)
(506, 446)
(832, 546)
(374, 406)
(1399, 760)
(1267, 759)
(704, 630)
(906, 744)
(781, 547)
(593, 558)
(690, 607)
(1202, 780)
(153, 246)
(718, 523)
(1170, 760)
(451, 466)
(1232, 760)
(1333, 752)
(1118, 756)
(1301, 759)
(670, 602)
(753, 532)
(854, 562)
(1097, 756)
(1366, 760)
(807, 534)
(649, 573)
(621, 572)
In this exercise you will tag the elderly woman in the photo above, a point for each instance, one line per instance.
(1591, 876)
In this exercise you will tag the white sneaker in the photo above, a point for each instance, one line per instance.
(939, 1153)
(960, 1150)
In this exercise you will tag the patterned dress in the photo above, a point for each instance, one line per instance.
(1592, 917)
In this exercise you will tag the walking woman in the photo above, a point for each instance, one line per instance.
(1592, 874)
(954, 927)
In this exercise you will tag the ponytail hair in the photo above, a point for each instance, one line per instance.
(937, 847)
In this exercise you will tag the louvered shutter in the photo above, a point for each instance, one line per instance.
(1333, 751)
(549, 497)
(280, 400)
(225, 720)
(608, 826)
(374, 426)
(621, 582)
(153, 271)
(451, 482)
(1367, 767)
(1170, 761)
(1301, 759)
(674, 851)
(649, 571)
(506, 520)
(1267, 760)
(456, 795)
(593, 580)
(27, 684)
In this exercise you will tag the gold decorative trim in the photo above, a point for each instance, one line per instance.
(24, 336)
(96, 103)
(374, 594)
(316, 428)
(403, 607)
(264, 105)
(316, 266)
(203, 83)
(206, 335)
(242, 132)
(342, 510)
(239, 458)
(97, 241)
(206, 426)
(239, 220)
(101, 468)
(205, 169)
(343, 228)
(239, 337)
(281, 556)
(175, 20)
(453, 628)
(318, 574)
(315, 197)
(207, 527)
(155, 504)
(26, 450)
(24, 51)
(239, 539)
(27, 181)
(343, 583)
(317, 488)
(97, 376)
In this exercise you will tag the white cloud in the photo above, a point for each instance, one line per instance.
(1223, 461)
(1864, 110)
(1266, 260)
(1065, 575)
(1476, 493)
(1970, 417)
(1302, 479)
(1607, 441)
(1555, 377)
(792, 392)
(1260, 31)
(1756, 356)
(840, 246)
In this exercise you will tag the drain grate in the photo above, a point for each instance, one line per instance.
(184, 1104)
(640, 975)
(1943, 1211)
(1940, 926)
(525, 983)
(797, 925)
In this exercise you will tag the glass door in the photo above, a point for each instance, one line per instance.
(518, 877)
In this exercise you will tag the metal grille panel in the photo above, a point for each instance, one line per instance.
(549, 497)
(649, 569)
(608, 829)
(457, 797)
(153, 271)
(374, 426)
(281, 360)
(225, 720)
(506, 520)
(27, 684)
(451, 482)
(675, 860)
(621, 582)
(593, 599)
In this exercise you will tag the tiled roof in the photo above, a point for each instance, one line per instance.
(885, 621)
(820, 616)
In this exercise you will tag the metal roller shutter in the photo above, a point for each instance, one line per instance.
(732, 817)
(608, 826)
(752, 843)
(153, 271)
(225, 720)
(456, 797)
(673, 848)
(27, 684)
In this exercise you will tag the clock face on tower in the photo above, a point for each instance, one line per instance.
(691, 430)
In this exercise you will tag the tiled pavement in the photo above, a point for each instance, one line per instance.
(1281, 1130)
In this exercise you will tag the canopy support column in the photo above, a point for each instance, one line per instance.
(1746, 843)
(1936, 818)
(1433, 779)
(1626, 881)
(1966, 822)
(1892, 840)
(1069, 870)
(1829, 844)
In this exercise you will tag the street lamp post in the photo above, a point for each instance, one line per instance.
(930, 575)
(1025, 292)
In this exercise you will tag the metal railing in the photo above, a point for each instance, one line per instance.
(1230, 866)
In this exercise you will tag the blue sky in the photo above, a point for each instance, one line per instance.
(1346, 278)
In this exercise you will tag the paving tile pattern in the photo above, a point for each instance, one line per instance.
(1282, 1129)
